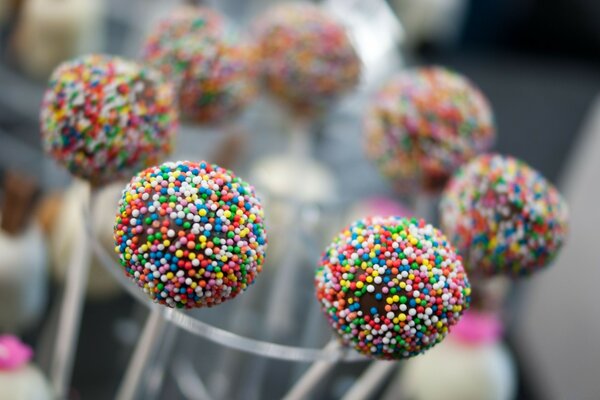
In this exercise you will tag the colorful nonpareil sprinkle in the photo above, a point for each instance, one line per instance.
(105, 118)
(425, 123)
(392, 287)
(214, 74)
(190, 234)
(306, 57)
(503, 216)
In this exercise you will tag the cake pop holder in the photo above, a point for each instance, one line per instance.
(296, 339)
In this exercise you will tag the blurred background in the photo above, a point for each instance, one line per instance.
(538, 61)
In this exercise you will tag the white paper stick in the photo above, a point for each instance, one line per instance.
(312, 377)
(426, 207)
(370, 380)
(71, 312)
(144, 349)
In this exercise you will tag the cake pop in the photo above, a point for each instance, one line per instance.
(425, 123)
(190, 234)
(69, 223)
(503, 216)
(20, 379)
(392, 287)
(306, 58)
(104, 117)
(472, 364)
(214, 74)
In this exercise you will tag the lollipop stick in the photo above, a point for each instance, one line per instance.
(153, 329)
(312, 377)
(300, 139)
(425, 206)
(156, 375)
(370, 380)
(71, 312)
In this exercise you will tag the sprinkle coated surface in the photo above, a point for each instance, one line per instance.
(190, 234)
(392, 287)
(425, 123)
(215, 74)
(503, 216)
(105, 118)
(306, 57)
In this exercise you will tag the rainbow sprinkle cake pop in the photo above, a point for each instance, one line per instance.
(190, 234)
(306, 57)
(105, 118)
(503, 216)
(214, 75)
(424, 124)
(392, 287)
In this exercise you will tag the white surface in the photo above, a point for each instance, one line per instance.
(559, 325)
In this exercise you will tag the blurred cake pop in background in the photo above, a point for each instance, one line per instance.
(69, 223)
(392, 287)
(472, 363)
(278, 180)
(306, 58)
(190, 234)
(214, 72)
(503, 216)
(49, 32)
(423, 124)
(20, 379)
(104, 117)
(23, 274)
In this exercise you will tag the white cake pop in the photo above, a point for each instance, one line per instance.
(20, 379)
(473, 364)
(278, 179)
(49, 32)
(69, 224)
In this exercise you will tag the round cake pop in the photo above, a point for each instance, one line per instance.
(503, 216)
(214, 75)
(105, 118)
(425, 123)
(473, 363)
(190, 234)
(20, 379)
(306, 57)
(392, 287)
